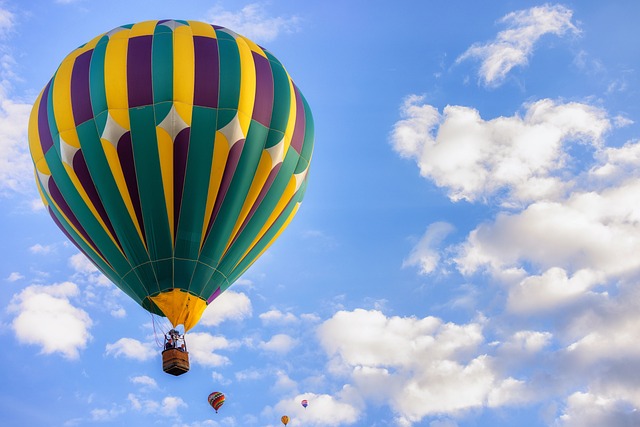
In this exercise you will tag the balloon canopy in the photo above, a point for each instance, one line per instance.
(304, 403)
(285, 420)
(172, 154)
(216, 400)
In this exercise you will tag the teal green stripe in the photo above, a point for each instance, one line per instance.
(162, 64)
(96, 78)
(229, 72)
(196, 185)
(150, 188)
(84, 215)
(112, 200)
(237, 193)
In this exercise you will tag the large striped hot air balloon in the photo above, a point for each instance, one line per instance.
(172, 154)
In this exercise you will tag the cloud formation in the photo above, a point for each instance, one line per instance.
(230, 305)
(521, 158)
(131, 348)
(44, 316)
(254, 22)
(513, 47)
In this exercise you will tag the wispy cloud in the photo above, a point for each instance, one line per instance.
(513, 47)
(230, 305)
(253, 21)
(131, 348)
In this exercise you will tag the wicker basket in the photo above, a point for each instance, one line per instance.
(175, 361)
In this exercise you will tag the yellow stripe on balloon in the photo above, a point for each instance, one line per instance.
(115, 78)
(62, 108)
(145, 28)
(183, 72)
(221, 150)
(254, 47)
(165, 152)
(291, 124)
(247, 95)
(34, 137)
(202, 29)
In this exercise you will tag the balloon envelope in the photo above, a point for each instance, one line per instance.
(216, 400)
(285, 420)
(172, 154)
(304, 403)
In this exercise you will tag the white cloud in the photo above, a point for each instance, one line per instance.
(476, 159)
(279, 343)
(81, 264)
(589, 410)
(145, 381)
(229, 305)
(14, 276)
(46, 317)
(106, 414)
(168, 407)
(337, 409)
(275, 316)
(16, 168)
(253, 21)
(41, 249)
(203, 349)
(513, 47)
(425, 254)
(419, 366)
(131, 348)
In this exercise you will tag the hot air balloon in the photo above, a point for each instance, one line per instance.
(216, 400)
(304, 403)
(285, 420)
(172, 154)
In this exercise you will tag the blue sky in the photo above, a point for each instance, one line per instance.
(466, 253)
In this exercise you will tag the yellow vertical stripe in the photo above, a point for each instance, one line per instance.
(62, 109)
(183, 72)
(165, 152)
(247, 85)
(202, 29)
(115, 78)
(34, 134)
(288, 132)
(220, 154)
(144, 28)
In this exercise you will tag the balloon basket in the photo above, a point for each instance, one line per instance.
(175, 361)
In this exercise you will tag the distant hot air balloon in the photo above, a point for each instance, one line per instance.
(216, 400)
(285, 420)
(304, 403)
(172, 154)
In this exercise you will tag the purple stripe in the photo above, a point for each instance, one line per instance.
(298, 131)
(214, 296)
(82, 171)
(263, 106)
(46, 140)
(80, 94)
(125, 155)
(229, 170)
(139, 84)
(207, 72)
(261, 196)
(180, 153)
